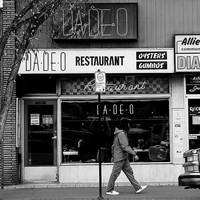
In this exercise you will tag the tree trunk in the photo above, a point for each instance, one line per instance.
(34, 23)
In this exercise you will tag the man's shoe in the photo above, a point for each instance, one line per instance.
(113, 192)
(142, 188)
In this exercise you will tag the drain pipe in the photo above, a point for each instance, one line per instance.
(2, 164)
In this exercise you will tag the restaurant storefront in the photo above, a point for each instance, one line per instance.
(62, 133)
(149, 80)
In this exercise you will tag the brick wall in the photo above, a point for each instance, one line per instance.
(10, 169)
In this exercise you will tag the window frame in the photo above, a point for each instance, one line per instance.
(144, 97)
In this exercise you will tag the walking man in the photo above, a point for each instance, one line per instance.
(120, 152)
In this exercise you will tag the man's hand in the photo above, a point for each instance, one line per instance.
(135, 158)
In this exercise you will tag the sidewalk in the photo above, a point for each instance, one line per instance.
(92, 193)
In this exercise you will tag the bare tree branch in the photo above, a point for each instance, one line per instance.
(34, 23)
(13, 26)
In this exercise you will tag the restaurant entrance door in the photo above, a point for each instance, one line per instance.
(40, 140)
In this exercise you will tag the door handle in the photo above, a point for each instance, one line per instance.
(54, 137)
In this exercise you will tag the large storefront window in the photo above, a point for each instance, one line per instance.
(82, 134)
(192, 88)
(194, 123)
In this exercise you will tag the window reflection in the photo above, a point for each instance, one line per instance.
(82, 134)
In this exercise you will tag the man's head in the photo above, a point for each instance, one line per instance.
(124, 124)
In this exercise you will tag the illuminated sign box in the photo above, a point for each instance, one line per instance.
(187, 53)
(82, 61)
(96, 21)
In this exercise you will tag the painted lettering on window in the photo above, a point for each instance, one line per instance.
(117, 87)
(116, 109)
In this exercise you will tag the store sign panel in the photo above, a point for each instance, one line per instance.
(81, 61)
(192, 84)
(96, 21)
(187, 53)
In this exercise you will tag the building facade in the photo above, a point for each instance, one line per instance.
(147, 50)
